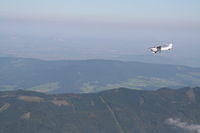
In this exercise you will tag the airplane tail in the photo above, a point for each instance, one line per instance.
(170, 45)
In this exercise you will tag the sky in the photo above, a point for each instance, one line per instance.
(101, 27)
(129, 10)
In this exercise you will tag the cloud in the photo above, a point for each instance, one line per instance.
(184, 125)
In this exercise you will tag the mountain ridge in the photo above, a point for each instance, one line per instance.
(91, 75)
(113, 111)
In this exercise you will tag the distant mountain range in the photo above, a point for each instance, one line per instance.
(162, 59)
(91, 75)
(114, 111)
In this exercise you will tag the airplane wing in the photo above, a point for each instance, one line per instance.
(159, 49)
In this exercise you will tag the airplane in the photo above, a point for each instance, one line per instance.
(161, 48)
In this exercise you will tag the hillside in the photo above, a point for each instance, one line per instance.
(114, 111)
(91, 75)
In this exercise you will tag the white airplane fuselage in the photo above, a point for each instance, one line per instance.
(161, 48)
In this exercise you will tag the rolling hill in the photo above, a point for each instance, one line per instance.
(114, 111)
(91, 75)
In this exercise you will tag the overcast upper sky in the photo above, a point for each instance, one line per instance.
(158, 10)
(123, 26)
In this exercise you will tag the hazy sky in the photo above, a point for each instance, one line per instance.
(158, 10)
(104, 26)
